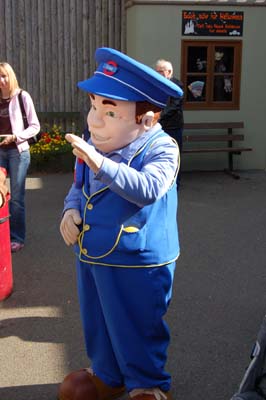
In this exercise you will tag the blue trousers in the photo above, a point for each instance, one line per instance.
(122, 313)
(16, 165)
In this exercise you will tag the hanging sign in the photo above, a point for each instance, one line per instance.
(212, 23)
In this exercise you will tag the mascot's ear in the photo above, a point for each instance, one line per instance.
(147, 120)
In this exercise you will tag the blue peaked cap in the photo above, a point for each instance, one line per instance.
(120, 77)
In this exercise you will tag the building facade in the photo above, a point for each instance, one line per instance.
(217, 49)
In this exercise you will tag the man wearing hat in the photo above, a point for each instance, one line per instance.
(120, 215)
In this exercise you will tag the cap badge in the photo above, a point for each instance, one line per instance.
(109, 68)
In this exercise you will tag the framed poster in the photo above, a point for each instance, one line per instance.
(212, 23)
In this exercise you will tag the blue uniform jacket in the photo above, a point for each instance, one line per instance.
(121, 233)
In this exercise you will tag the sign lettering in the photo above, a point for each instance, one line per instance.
(212, 23)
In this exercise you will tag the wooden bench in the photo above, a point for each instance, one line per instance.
(68, 121)
(211, 141)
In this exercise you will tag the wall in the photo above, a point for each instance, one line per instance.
(154, 31)
(51, 45)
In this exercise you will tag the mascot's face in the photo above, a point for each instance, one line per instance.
(112, 123)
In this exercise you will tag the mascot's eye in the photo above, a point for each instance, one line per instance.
(111, 114)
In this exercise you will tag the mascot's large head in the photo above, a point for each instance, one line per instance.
(126, 95)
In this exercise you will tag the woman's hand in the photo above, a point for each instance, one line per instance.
(8, 140)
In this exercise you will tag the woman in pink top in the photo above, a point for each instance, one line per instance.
(14, 147)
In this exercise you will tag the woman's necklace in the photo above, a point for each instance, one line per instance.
(5, 99)
(5, 95)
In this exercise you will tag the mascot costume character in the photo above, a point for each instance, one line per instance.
(120, 216)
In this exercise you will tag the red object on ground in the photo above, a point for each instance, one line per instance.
(6, 276)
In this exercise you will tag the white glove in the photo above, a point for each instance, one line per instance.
(227, 85)
(69, 226)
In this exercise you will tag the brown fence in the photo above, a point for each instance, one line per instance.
(51, 45)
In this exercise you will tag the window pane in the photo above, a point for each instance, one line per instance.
(224, 59)
(197, 59)
(223, 87)
(196, 88)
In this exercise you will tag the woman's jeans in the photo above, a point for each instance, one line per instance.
(16, 165)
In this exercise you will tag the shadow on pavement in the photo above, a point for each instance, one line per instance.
(219, 296)
(40, 392)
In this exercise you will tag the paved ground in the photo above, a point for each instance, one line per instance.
(219, 294)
